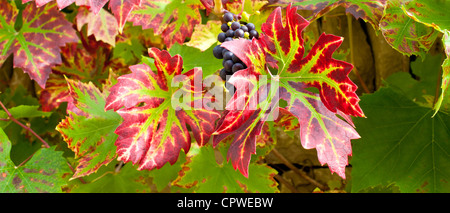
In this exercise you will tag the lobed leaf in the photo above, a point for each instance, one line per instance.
(36, 46)
(433, 13)
(42, 173)
(195, 177)
(89, 130)
(102, 25)
(154, 132)
(410, 151)
(403, 33)
(84, 63)
(256, 99)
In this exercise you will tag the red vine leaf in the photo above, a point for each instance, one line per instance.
(281, 47)
(154, 129)
(102, 25)
(36, 46)
(80, 62)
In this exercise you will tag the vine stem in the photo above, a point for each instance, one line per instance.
(11, 118)
(352, 58)
(297, 171)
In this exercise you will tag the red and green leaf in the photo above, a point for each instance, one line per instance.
(403, 33)
(89, 129)
(122, 9)
(281, 47)
(36, 46)
(173, 19)
(196, 178)
(434, 14)
(80, 62)
(102, 25)
(154, 129)
(43, 172)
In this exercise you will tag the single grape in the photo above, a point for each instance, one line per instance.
(239, 33)
(236, 67)
(250, 26)
(235, 25)
(224, 51)
(230, 33)
(221, 37)
(246, 35)
(229, 39)
(244, 28)
(217, 52)
(224, 27)
(223, 74)
(227, 17)
(253, 34)
(228, 64)
(228, 56)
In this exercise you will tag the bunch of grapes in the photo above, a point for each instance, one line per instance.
(232, 28)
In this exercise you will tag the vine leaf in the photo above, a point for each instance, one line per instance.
(80, 62)
(154, 129)
(173, 20)
(88, 130)
(36, 46)
(412, 150)
(42, 173)
(194, 177)
(102, 25)
(256, 98)
(205, 35)
(120, 8)
(403, 33)
(434, 14)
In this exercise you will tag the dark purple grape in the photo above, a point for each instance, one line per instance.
(227, 17)
(244, 28)
(235, 25)
(224, 27)
(221, 37)
(253, 34)
(235, 59)
(217, 52)
(230, 33)
(227, 65)
(229, 39)
(239, 33)
(223, 74)
(224, 51)
(250, 26)
(228, 56)
(236, 67)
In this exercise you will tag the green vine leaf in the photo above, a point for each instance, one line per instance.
(403, 33)
(44, 172)
(411, 151)
(434, 14)
(88, 130)
(173, 19)
(221, 177)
